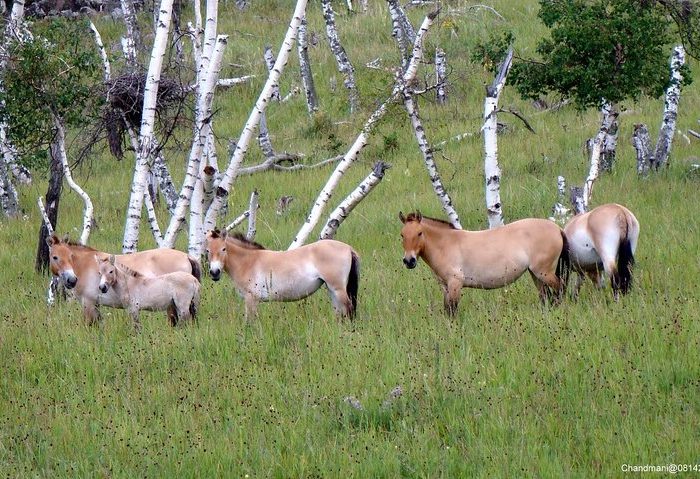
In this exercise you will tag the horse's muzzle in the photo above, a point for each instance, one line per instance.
(215, 274)
(103, 288)
(70, 281)
(410, 262)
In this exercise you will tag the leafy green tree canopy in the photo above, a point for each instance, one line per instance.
(597, 49)
(55, 70)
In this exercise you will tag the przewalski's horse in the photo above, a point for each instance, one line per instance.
(75, 265)
(263, 275)
(177, 292)
(604, 240)
(488, 259)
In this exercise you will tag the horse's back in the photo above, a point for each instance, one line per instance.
(156, 262)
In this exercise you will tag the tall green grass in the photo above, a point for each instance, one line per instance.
(504, 389)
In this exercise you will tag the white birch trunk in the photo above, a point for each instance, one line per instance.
(344, 65)
(441, 76)
(165, 181)
(60, 149)
(9, 200)
(208, 185)
(344, 209)
(594, 169)
(492, 171)
(307, 78)
(129, 41)
(45, 217)
(401, 30)
(668, 125)
(146, 139)
(240, 219)
(264, 138)
(107, 70)
(269, 58)
(254, 118)
(560, 213)
(209, 41)
(429, 159)
(252, 215)
(361, 140)
(609, 147)
(153, 220)
(194, 163)
(642, 145)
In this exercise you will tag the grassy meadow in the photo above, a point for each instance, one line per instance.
(504, 389)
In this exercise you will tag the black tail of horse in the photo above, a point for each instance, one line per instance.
(196, 268)
(563, 265)
(622, 279)
(353, 283)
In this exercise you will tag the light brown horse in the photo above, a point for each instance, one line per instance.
(487, 259)
(604, 240)
(177, 292)
(75, 265)
(263, 275)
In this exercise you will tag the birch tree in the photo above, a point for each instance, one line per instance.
(307, 78)
(492, 171)
(146, 138)
(341, 57)
(668, 124)
(360, 142)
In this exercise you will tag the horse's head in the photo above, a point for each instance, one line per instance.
(108, 271)
(61, 260)
(412, 237)
(216, 252)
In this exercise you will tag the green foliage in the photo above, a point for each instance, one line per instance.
(612, 49)
(56, 70)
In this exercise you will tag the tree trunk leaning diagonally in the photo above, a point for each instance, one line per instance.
(254, 119)
(492, 171)
(336, 218)
(668, 125)
(429, 159)
(360, 142)
(146, 139)
(341, 57)
(307, 78)
(401, 30)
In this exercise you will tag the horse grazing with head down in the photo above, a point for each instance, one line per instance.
(75, 265)
(488, 259)
(263, 275)
(176, 292)
(604, 240)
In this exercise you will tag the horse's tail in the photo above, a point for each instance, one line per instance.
(194, 303)
(196, 268)
(563, 264)
(622, 279)
(353, 283)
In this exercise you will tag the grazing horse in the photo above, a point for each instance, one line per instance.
(263, 275)
(488, 259)
(75, 265)
(604, 240)
(176, 292)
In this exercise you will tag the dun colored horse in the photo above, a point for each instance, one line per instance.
(76, 266)
(604, 240)
(263, 275)
(487, 259)
(176, 292)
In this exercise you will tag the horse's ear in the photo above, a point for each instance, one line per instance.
(52, 240)
(65, 238)
(402, 217)
(111, 259)
(419, 216)
(224, 234)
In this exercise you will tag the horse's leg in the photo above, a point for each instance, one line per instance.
(341, 301)
(134, 313)
(91, 313)
(453, 291)
(251, 307)
(172, 314)
(577, 285)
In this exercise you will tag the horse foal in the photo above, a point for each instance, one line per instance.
(178, 293)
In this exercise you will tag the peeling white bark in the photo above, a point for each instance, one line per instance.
(360, 142)
(252, 215)
(492, 171)
(45, 217)
(194, 164)
(208, 185)
(642, 145)
(269, 58)
(560, 213)
(344, 65)
(60, 143)
(401, 30)
(594, 170)
(668, 125)
(344, 209)
(107, 70)
(240, 219)
(307, 78)
(146, 139)
(210, 37)
(129, 41)
(441, 76)
(253, 120)
(429, 159)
